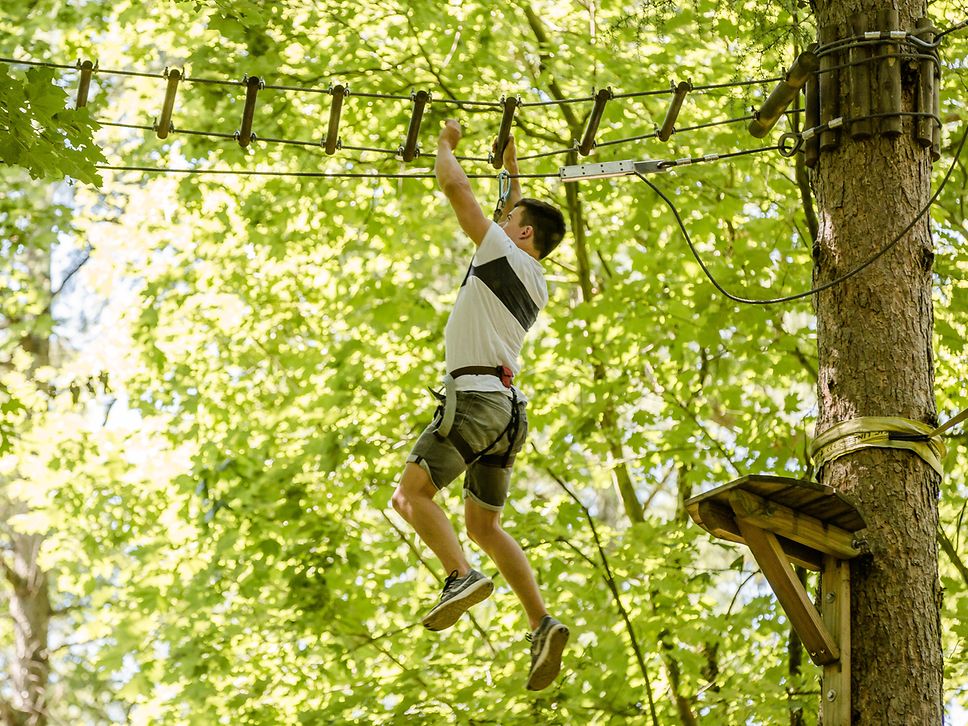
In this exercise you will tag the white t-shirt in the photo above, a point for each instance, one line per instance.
(498, 301)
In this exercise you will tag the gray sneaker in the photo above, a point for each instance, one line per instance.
(547, 644)
(458, 595)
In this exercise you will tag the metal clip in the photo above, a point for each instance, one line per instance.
(503, 193)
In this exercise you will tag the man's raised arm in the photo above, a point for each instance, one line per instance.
(455, 186)
(511, 164)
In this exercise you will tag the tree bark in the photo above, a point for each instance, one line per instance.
(874, 338)
(30, 611)
(29, 596)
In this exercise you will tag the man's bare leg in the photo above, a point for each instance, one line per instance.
(484, 528)
(414, 501)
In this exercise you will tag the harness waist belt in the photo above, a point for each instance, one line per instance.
(503, 372)
(450, 390)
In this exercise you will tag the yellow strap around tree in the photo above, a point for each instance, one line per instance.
(882, 432)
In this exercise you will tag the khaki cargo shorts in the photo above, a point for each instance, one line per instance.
(479, 420)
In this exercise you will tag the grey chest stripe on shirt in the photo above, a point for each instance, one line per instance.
(501, 279)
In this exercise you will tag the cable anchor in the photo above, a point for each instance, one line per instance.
(789, 144)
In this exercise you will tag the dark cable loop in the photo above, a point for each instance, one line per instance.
(953, 29)
(832, 283)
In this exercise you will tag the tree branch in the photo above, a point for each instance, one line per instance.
(9, 716)
(541, 35)
(610, 579)
(949, 549)
(12, 576)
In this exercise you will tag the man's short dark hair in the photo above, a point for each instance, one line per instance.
(547, 221)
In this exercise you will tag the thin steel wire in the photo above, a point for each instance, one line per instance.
(461, 103)
(857, 41)
(137, 74)
(871, 59)
(672, 164)
(910, 39)
(557, 102)
(299, 89)
(308, 174)
(544, 154)
(627, 139)
(846, 121)
(43, 64)
(120, 125)
(737, 84)
(394, 97)
(271, 140)
(737, 120)
(385, 96)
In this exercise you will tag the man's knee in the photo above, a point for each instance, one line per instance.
(483, 529)
(398, 500)
(415, 483)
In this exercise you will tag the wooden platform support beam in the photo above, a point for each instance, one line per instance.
(804, 617)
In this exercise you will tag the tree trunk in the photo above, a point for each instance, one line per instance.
(30, 611)
(29, 595)
(874, 337)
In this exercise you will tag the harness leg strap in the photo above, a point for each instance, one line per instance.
(450, 406)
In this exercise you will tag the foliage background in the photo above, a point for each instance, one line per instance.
(236, 365)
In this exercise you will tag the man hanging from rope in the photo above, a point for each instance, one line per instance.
(482, 423)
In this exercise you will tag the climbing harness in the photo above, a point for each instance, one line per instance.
(503, 193)
(447, 409)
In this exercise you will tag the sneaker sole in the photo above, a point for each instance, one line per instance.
(448, 613)
(549, 660)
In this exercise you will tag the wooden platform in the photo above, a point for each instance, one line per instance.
(810, 520)
(786, 520)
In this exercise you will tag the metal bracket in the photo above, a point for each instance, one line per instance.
(604, 170)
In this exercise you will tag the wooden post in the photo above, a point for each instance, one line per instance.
(829, 91)
(860, 81)
(890, 77)
(835, 611)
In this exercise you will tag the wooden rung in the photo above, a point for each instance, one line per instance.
(718, 520)
(804, 617)
(808, 531)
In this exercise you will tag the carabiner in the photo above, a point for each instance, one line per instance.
(503, 193)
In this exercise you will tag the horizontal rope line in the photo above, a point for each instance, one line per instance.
(363, 94)
(309, 174)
